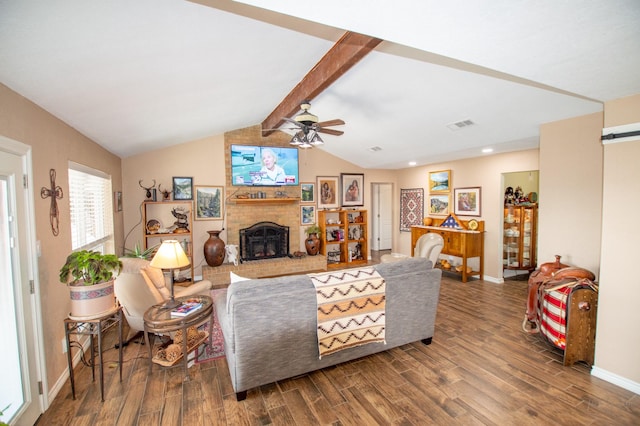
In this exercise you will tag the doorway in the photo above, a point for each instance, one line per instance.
(22, 357)
(381, 216)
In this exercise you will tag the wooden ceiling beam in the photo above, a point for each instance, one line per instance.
(347, 52)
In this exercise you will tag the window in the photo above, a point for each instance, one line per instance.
(91, 209)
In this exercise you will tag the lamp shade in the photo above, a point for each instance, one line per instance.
(170, 255)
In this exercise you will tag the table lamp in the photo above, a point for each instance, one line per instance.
(170, 256)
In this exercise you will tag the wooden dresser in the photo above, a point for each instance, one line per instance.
(462, 243)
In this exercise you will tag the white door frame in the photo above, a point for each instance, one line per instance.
(28, 308)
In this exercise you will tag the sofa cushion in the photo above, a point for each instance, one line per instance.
(235, 278)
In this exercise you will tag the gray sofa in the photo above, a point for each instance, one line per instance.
(269, 325)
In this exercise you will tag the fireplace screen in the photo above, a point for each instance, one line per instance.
(264, 240)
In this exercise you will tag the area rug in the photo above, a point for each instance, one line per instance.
(208, 352)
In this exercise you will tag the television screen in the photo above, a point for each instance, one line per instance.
(263, 166)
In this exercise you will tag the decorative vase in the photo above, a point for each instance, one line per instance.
(91, 301)
(214, 249)
(312, 244)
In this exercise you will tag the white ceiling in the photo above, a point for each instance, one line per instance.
(136, 75)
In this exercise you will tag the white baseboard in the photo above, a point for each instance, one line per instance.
(623, 382)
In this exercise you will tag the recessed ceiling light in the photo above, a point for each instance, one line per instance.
(487, 150)
(412, 163)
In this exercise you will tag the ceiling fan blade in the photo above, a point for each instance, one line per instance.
(336, 122)
(330, 131)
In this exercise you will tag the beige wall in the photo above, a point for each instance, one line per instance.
(618, 338)
(571, 186)
(53, 145)
(485, 172)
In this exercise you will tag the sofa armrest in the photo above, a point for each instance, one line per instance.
(202, 288)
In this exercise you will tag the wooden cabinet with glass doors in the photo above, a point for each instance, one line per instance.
(519, 237)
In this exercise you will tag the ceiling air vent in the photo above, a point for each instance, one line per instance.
(460, 125)
(375, 149)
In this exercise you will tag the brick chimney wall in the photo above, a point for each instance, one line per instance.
(244, 215)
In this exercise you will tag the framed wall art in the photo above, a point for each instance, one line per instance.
(328, 197)
(411, 208)
(352, 189)
(307, 215)
(439, 204)
(209, 202)
(467, 201)
(182, 188)
(440, 182)
(307, 192)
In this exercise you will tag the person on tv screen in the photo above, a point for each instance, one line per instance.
(271, 173)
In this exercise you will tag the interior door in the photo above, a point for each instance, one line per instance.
(19, 357)
(382, 216)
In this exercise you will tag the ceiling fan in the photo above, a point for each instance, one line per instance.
(308, 127)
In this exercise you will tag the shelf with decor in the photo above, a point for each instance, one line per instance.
(343, 237)
(170, 220)
(519, 237)
(273, 200)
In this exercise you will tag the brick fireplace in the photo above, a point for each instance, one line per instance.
(243, 213)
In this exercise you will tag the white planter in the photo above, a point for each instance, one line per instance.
(92, 301)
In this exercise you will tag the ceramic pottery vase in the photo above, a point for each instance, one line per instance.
(312, 244)
(214, 249)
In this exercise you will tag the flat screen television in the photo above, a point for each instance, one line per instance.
(264, 166)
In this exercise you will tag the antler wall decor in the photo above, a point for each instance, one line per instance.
(149, 194)
(55, 192)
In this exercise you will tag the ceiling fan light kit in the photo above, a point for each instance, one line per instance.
(308, 135)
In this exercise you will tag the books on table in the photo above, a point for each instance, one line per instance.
(186, 308)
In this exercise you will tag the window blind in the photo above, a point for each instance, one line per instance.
(91, 209)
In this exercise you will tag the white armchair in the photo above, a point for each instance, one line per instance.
(429, 246)
(139, 286)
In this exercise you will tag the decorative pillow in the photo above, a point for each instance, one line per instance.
(235, 278)
(155, 277)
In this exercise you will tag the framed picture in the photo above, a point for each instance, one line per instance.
(352, 185)
(307, 215)
(117, 201)
(467, 201)
(439, 204)
(209, 202)
(307, 192)
(327, 192)
(182, 188)
(411, 208)
(440, 182)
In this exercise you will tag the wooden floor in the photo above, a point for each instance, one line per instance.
(480, 369)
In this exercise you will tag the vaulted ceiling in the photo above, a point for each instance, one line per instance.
(137, 75)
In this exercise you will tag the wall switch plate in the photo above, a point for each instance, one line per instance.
(64, 345)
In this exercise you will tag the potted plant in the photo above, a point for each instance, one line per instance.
(89, 276)
(139, 253)
(312, 243)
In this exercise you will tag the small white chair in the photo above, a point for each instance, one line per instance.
(429, 245)
(140, 286)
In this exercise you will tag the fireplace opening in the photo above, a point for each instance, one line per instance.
(264, 240)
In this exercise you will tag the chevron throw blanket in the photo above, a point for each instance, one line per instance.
(351, 308)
